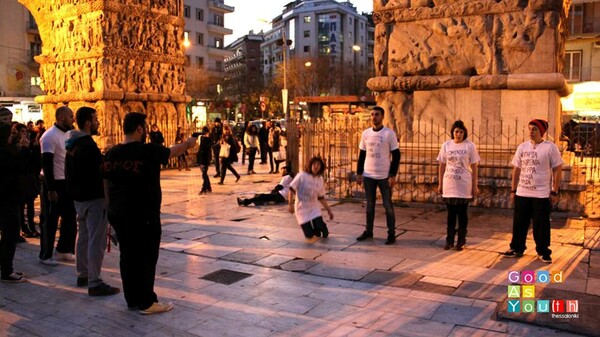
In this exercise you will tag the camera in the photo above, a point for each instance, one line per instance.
(196, 134)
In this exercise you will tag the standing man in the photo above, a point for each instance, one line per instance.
(54, 189)
(263, 140)
(215, 135)
(83, 171)
(537, 171)
(376, 170)
(132, 183)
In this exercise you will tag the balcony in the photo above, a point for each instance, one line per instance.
(219, 6)
(220, 52)
(219, 29)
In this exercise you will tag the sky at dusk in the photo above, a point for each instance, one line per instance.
(253, 14)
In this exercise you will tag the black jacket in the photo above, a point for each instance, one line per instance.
(204, 153)
(83, 167)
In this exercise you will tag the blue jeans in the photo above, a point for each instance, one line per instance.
(386, 194)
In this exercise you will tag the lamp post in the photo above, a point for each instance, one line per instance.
(292, 154)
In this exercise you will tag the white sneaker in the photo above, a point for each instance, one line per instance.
(49, 262)
(67, 257)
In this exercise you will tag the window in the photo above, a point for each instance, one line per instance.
(186, 11)
(218, 20)
(200, 62)
(307, 33)
(307, 49)
(219, 65)
(199, 14)
(572, 70)
(575, 19)
(307, 19)
(362, 25)
(200, 39)
(218, 43)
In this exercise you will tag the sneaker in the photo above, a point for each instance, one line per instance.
(512, 253)
(390, 239)
(546, 258)
(66, 257)
(13, 278)
(157, 308)
(49, 262)
(448, 246)
(103, 290)
(365, 235)
(460, 247)
(82, 281)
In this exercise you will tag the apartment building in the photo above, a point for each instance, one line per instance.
(205, 52)
(19, 43)
(330, 38)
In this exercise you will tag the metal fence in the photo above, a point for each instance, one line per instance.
(337, 141)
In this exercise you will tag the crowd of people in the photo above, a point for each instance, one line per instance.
(88, 190)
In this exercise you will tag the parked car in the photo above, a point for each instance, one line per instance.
(582, 137)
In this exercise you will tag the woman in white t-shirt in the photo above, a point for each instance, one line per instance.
(457, 173)
(308, 191)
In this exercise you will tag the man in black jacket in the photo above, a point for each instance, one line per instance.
(83, 170)
(215, 135)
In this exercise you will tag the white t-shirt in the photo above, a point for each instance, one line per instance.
(536, 163)
(378, 145)
(458, 177)
(285, 182)
(53, 141)
(308, 189)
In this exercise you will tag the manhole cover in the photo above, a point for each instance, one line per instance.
(225, 276)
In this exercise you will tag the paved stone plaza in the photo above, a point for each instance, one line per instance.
(333, 287)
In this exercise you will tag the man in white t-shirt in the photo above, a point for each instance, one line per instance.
(535, 183)
(375, 169)
(54, 189)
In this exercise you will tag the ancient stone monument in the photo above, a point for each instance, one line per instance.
(469, 59)
(116, 56)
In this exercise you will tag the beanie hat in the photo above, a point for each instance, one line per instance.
(541, 124)
(217, 120)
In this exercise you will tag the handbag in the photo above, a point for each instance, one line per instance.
(224, 151)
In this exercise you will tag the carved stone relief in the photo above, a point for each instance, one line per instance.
(118, 56)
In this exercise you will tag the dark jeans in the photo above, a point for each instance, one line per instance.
(65, 209)
(216, 149)
(526, 210)
(263, 152)
(251, 158)
(226, 165)
(139, 242)
(30, 226)
(270, 154)
(9, 230)
(460, 212)
(263, 198)
(371, 186)
(205, 178)
(315, 227)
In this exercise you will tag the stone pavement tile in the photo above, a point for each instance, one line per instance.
(175, 262)
(180, 245)
(592, 238)
(353, 331)
(56, 327)
(229, 240)
(210, 250)
(464, 331)
(411, 326)
(475, 317)
(291, 304)
(571, 236)
(345, 314)
(234, 293)
(334, 270)
(179, 279)
(216, 326)
(300, 250)
(482, 291)
(593, 286)
(359, 260)
(274, 260)
(413, 307)
(432, 288)
(471, 257)
(340, 295)
(392, 278)
(168, 331)
(289, 324)
(247, 255)
(418, 238)
(480, 243)
(458, 272)
(516, 329)
(441, 298)
(289, 286)
(179, 227)
(240, 312)
(441, 281)
(298, 265)
(194, 234)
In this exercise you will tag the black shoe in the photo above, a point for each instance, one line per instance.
(216, 176)
(546, 258)
(460, 247)
(238, 178)
(390, 239)
(220, 183)
(82, 281)
(448, 246)
(512, 253)
(103, 290)
(325, 231)
(241, 202)
(365, 235)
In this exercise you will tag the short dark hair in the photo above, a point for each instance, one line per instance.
(84, 114)
(380, 109)
(205, 130)
(132, 120)
(63, 110)
(312, 160)
(459, 125)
